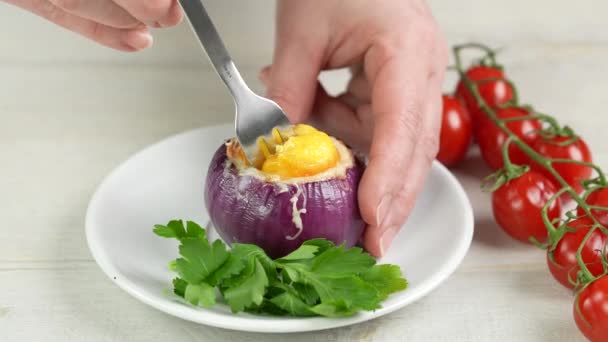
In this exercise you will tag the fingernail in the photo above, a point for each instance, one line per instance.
(386, 239)
(140, 39)
(383, 209)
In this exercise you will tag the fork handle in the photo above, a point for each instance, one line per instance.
(214, 47)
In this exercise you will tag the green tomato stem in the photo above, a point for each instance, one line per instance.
(605, 258)
(583, 163)
(518, 118)
(535, 116)
(515, 99)
(546, 118)
(505, 153)
(545, 210)
(587, 276)
(490, 53)
(546, 163)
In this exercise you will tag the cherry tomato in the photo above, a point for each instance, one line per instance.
(591, 310)
(491, 138)
(599, 198)
(564, 256)
(456, 132)
(573, 174)
(492, 88)
(517, 206)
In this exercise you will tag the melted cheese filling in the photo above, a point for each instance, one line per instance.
(300, 154)
(305, 153)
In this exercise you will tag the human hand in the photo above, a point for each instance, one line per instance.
(119, 24)
(392, 108)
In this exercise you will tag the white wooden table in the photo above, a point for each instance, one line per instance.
(70, 111)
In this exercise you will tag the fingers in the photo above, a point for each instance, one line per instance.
(415, 175)
(345, 117)
(428, 140)
(379, 237)
(360, 87)
(400, 85)
(122, 39)
(352, 124)
(293, 81)
(175, 15)
(105, 12)
(297, 61)
(158, 13)
(349, 122)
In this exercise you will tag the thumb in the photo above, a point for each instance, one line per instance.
(292, 79)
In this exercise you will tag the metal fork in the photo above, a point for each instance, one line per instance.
(256, 116)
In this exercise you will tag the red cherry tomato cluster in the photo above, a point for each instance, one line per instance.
(562, 262)
(491, 138)
(597, 198)
(561, 148)
(517, 206)
(544, 168)
(492, 86)
(456, 132)
(591, 312)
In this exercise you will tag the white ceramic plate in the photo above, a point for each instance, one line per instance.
(165, 181)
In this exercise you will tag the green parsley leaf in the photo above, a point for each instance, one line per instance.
(201, 295)
(385, 278)
(292, 304)
(175, 229)
(304, 252)
(173, 265)
(250, 287)
(246, 251)
(188, 272)
(266, 308)
(276, 289)
(323, 244)
(179, 286)
(194, 230)
(350, 289)
(289, 276)
(307, 293)
(333, 310)
(339, 261)
(233, 266)
(318, 278)
(294, 270)
(200, 259)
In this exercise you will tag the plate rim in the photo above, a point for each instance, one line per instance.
(209, 318)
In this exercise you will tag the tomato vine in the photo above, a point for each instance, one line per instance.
(559, 227)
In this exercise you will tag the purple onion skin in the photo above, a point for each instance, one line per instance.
(246, 209)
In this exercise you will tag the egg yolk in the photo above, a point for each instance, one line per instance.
(305, 153)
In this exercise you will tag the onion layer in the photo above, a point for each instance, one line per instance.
(278, 215)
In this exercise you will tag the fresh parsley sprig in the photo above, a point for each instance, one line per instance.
(317, 279)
